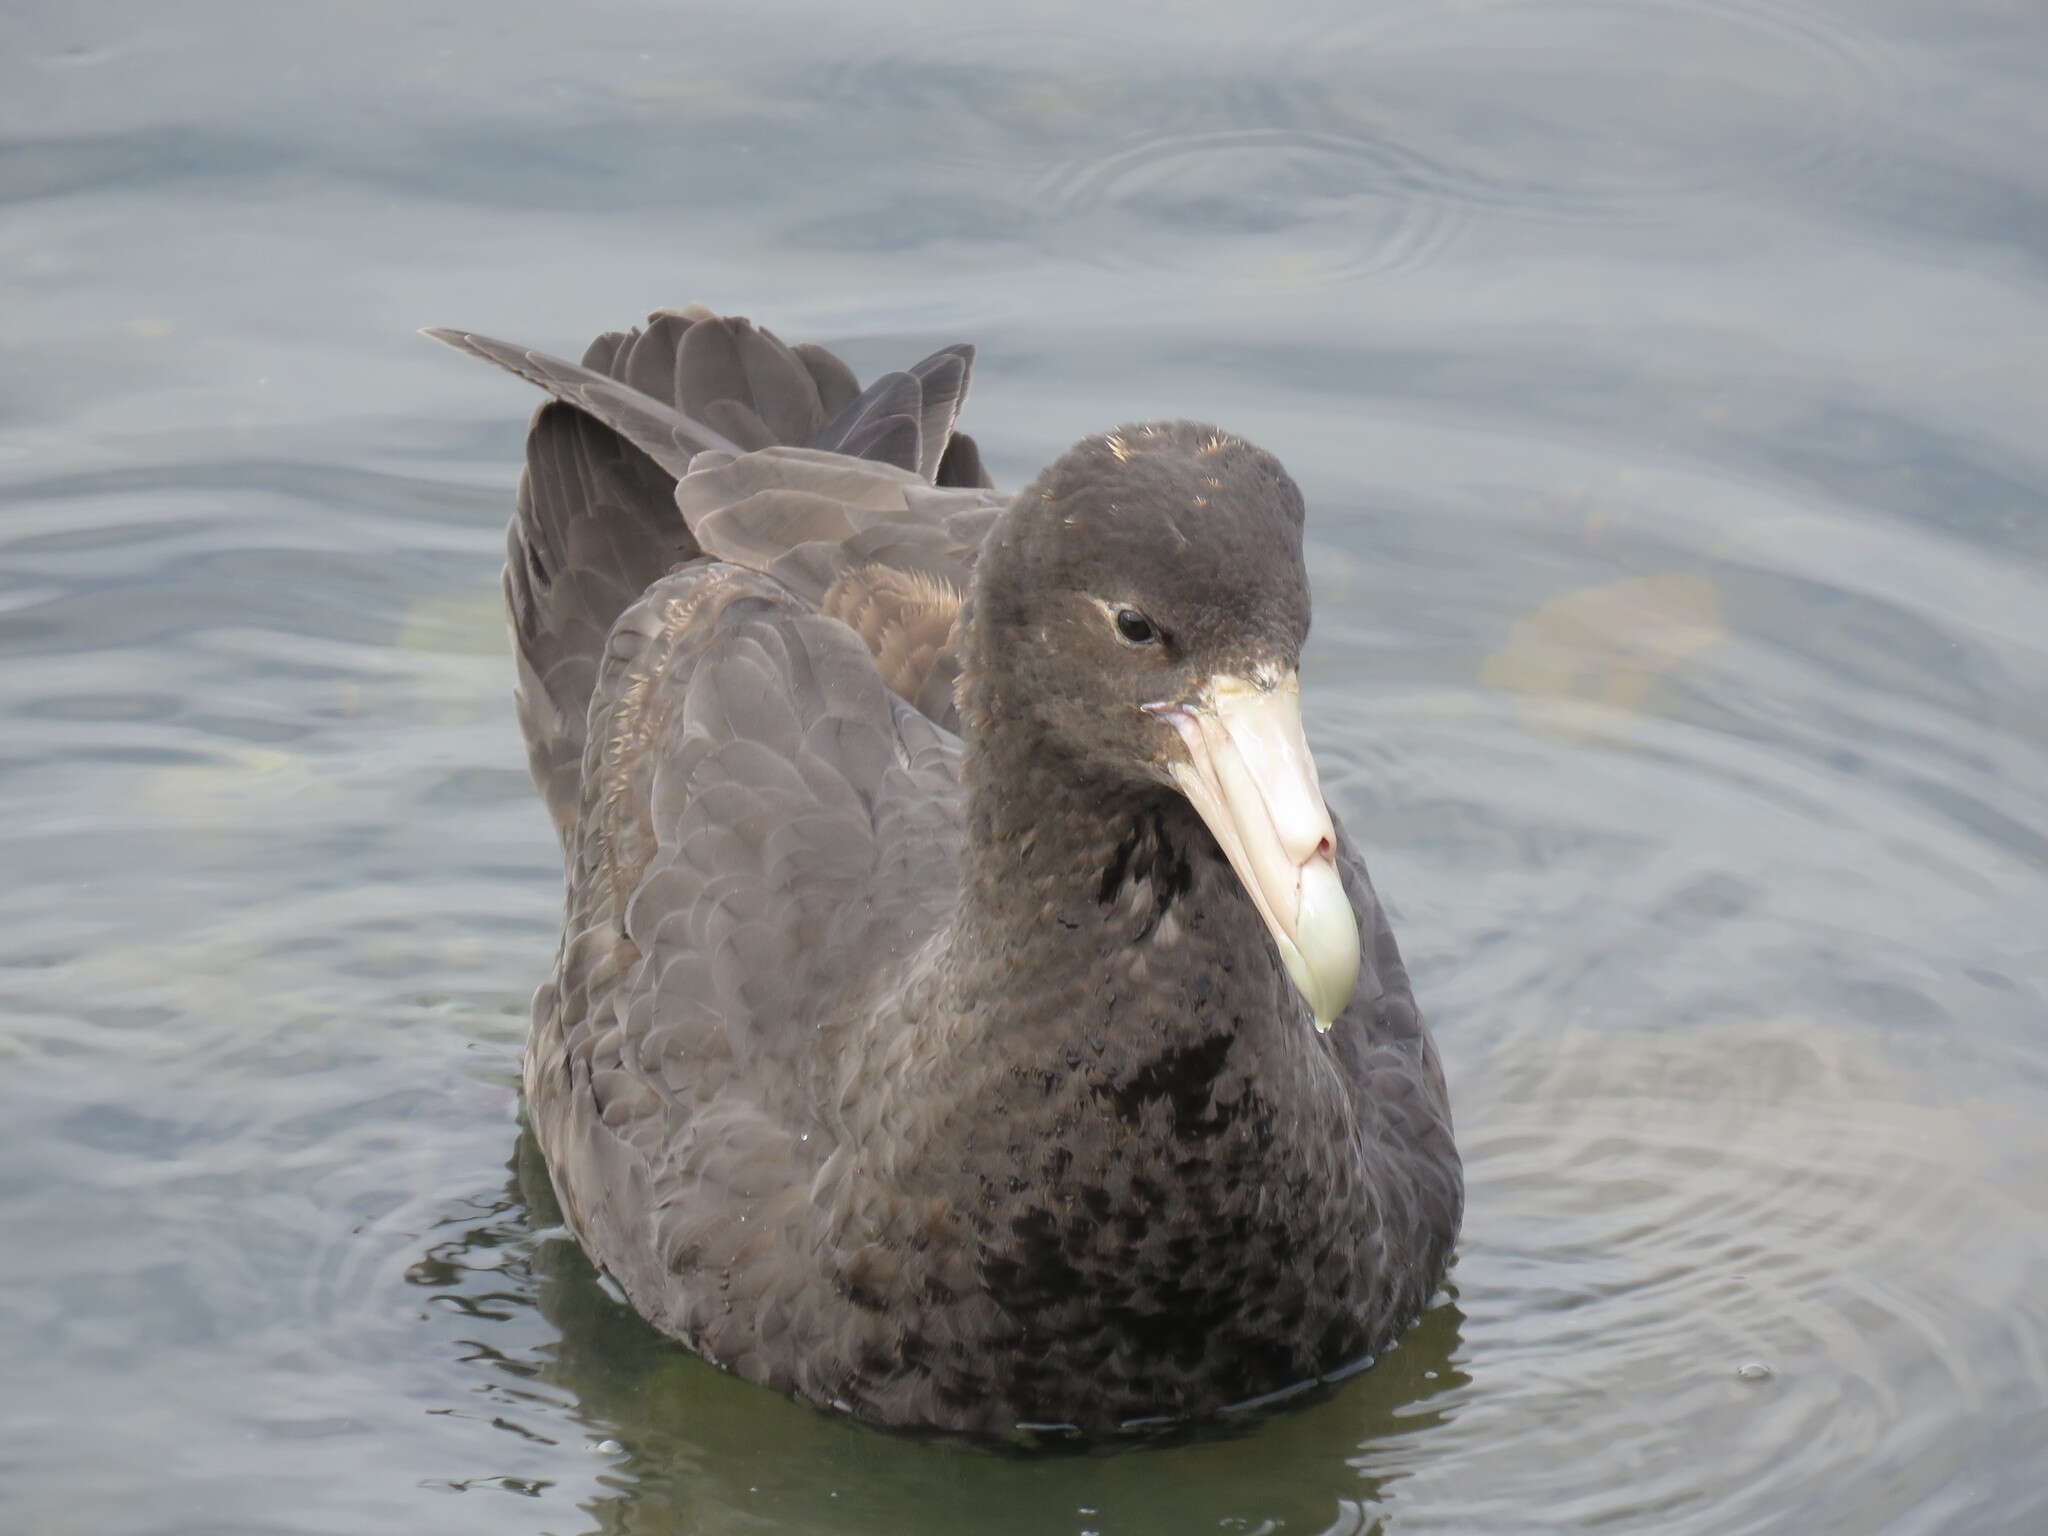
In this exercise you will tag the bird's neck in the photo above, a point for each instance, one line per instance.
(1112, 898)
(1106, 975)
(1063, 859)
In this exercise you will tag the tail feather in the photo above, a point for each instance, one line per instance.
(596, 525)
(597, 520)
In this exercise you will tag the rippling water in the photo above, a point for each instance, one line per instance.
(1667, 381)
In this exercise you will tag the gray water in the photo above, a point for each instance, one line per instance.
(1668, 379)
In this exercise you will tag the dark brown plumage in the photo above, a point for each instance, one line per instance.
(914, 1045)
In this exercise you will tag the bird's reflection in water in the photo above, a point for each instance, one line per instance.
(700, 1451)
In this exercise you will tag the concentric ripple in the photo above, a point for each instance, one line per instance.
(1342, 147)
(1607, 108)
(1736, 1244)
(1275, 204)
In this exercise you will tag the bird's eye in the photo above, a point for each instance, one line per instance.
(1135, 628)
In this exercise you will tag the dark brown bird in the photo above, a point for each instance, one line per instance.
(968, 1014)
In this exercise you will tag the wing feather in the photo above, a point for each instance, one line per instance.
(759, 810)
(866, 504)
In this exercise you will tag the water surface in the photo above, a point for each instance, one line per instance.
(1666, 379)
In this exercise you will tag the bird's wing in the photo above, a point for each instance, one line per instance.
(766, 832)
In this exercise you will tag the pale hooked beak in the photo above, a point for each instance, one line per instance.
(1249, 775)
